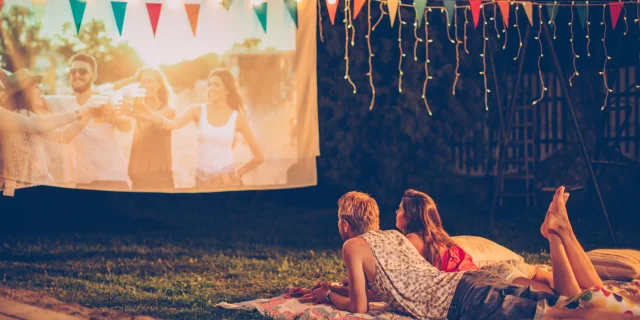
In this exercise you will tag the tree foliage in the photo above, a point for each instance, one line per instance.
(20, 40)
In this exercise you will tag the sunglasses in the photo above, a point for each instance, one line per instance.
(80, 71)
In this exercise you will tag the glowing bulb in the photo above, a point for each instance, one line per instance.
(256, 2)
(330, 1)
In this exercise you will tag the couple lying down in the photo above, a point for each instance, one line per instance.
(439, 280)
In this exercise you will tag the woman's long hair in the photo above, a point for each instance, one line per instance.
(165, 92)
(422, 218)
(233, 94)
(20, 102)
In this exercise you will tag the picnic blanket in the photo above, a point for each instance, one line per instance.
(285, 307)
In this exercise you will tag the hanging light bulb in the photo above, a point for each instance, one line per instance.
(332, 1)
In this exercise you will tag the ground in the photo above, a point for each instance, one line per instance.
(176, 256)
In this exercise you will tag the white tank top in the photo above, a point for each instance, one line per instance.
(215, 144)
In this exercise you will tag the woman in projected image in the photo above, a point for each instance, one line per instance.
(218, 121)
(150, 162)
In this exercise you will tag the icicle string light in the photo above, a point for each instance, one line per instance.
(444, 10)
(347, 16)
(495, 18)
(415, 34)
(370, 73)
(382, 13)
(624, 12)
(320, 21)
(506, 34)
(351, 26)
(573, 49)
(606, 59)
(402, 54)
(555, 25)
(588, 33)
(517, 25)
(466, 22)
(427, 77)
(455, 81)
(543, 88)
(484, 59)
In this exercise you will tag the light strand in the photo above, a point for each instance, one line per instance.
(588, 33)
(543, 88)
(606, 59)
(347, 14)
(495, 18)
(445, 10)
(506, 34)
(426, 64)
(415, 34)
(626, 24)
(455, 81)
(320, 22)
(352, 26)
(555, 25)
(466, 22)
(517, 25)
(573, 49)
(484, 59)
(370, 73)
(402, 54)
(382, 13)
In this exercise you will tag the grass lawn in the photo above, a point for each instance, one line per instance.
(175, 257)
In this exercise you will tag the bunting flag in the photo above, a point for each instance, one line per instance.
(261, 13)
(504, 8)
(582, 13)
(39, 8)
(1, 4)
(153, 9)
(614, 9)
(193, 11)
(357, 6)
(450, 6)
(77, 8)
(227, 4)
(420, 5)
(393, 9)
(528, 9)
(119, 9)
(292, 7)
(552, 9)
(332, 7)
(475, 11)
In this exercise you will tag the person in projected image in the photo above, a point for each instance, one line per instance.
(150, 162)
(218, 121)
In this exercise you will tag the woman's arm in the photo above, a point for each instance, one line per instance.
(244, 128)
(67, 134)
(159, 120)
(166, 112)
(13, 122)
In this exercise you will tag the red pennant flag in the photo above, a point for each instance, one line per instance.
(615, 8)
(475, 11)
(504, 8)
(332, 7)
(154, 15)
(1, 4)
(193, 10)
(357, 6)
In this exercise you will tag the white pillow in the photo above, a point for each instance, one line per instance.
(619, 264)
(486, 252)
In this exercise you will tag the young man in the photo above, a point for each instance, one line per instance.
(97, 160)
(388, 264)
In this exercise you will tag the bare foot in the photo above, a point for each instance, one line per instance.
(557, 218)
(544, 229)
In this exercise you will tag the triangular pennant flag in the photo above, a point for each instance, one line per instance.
(154, 15)
(420, 5)
(261, 12)
(528, 9)
(1, 4)
(582, 13)
(504, 8)
(119, 9)
(615, 8)
(475, 11)
(332, 7)
(193, 11)
(450, 7)
(393, 9)
(39, 7)
(552, 9)
(292, 7)
(227, 4)
(77, 8)
(357, 6)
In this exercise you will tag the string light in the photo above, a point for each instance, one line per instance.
(347, 25)
(517, 25)
(352, 27)
(415, 34)
(370, 73)
(484, 59)
(606, 59)
(495, 18)
(573, 49)
(427, 77)
(466, 22)
(382, 13)
(542, 85)
(555, 26)
(588, 32)
(448, 23)
(320, 22)
(455, 81)
(506, 34)
(624, 12)
(402, 54)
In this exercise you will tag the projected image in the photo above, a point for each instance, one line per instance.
(180, 98)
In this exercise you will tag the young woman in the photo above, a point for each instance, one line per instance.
(150, 162)
(218, 121)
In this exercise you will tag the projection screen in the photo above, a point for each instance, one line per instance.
(170, 96)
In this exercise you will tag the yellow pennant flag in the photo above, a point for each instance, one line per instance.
(393, 10)
(528, 9)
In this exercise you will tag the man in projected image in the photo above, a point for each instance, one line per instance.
(97, 160)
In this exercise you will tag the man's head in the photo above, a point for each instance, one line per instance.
(358, 213)
(83, 71)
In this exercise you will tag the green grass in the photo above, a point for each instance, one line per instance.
(190, 260)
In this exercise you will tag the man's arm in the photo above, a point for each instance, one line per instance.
(353, 257)
(121, 123)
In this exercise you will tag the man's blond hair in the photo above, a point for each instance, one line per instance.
(360, 210)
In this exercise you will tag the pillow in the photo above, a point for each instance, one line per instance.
(618, 264)
(486, 252)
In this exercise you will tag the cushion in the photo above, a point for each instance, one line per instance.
(486, 252)
(618, 264)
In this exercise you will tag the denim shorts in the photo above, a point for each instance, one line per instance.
(484, 295)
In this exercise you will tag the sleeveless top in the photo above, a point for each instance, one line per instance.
(405, 280)
(215, 144)
(455, 259)
(150, 151)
